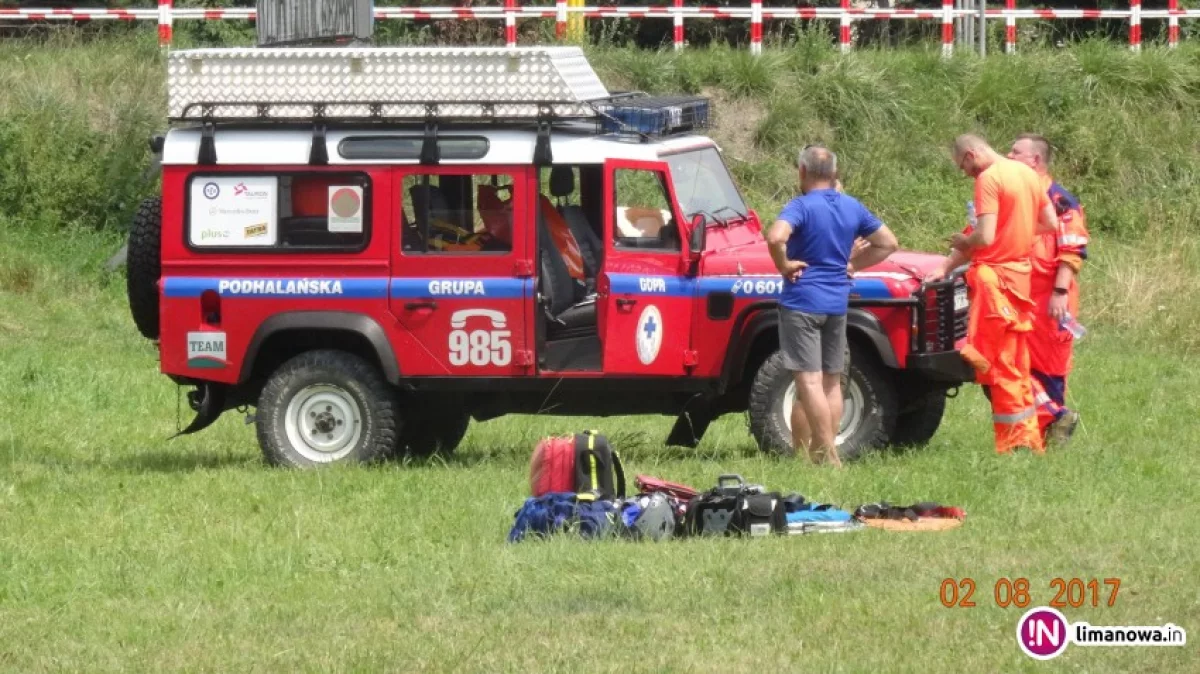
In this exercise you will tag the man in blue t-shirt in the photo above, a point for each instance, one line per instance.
(813, 245)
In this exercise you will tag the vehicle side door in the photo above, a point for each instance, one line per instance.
(645, 298)
(462, 278)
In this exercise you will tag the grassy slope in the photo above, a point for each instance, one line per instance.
(123, 551)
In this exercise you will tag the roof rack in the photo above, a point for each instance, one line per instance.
(430, 85)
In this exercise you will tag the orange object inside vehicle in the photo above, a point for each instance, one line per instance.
(310, 196)
(496, 213)
(564, 240)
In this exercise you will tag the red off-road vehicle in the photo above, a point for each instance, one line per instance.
(374, 246)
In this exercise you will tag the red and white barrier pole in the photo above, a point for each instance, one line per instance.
(756, 16)
(560, 19)
(679, 24)
(510, 23)
(1173, 24)
(947, 28)
(1135, 25)
(844, 36)
(165, 22)
(1010, 27)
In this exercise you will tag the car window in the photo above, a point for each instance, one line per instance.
(464, 214)
(319, 211)
(642, 209)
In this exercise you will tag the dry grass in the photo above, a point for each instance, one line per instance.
(1148, 291)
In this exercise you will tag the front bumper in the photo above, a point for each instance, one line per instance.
(944, 366)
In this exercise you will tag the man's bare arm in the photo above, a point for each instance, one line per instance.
(882, 243)
(1047, 219)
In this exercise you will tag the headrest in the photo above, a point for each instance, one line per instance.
(562, 181)
(438, 207)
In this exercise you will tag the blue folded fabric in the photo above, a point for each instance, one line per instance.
(812, 512)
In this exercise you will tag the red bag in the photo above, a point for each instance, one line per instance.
(552, 468)
(647, 484)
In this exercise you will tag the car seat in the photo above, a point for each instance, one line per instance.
(562, 185)
(570, 310)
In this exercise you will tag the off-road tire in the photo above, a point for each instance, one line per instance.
(143, 265)
(436, 425)
(378, 407)
(769, 426)
(917, 424)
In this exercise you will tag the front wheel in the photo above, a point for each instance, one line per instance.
(869, 406)
(324, 407)
(917, 424)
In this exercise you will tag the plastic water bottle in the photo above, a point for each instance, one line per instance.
(971, 219)
(1073, 326)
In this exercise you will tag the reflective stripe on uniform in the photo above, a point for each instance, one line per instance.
(1072, 240)
(1015, 417)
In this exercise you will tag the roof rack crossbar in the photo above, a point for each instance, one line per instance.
(318, 154)
(207, 154)
(386, 111)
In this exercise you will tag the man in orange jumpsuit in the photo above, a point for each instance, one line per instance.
(1011, 205)
(1057, 258)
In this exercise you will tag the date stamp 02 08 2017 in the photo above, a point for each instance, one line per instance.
(1006, 592)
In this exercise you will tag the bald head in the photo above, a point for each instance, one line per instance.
(972, 154)
(969, 142)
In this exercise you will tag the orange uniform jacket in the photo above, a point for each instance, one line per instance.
(1050, 349)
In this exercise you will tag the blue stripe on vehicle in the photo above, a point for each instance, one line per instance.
(273, 287)
(772, 287)
(489, 288)
(651, 285)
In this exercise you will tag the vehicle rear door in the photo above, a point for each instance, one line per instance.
(462, 278)
(645, 299)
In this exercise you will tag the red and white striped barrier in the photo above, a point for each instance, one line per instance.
(511, 11)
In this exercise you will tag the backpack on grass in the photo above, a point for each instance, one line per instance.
(584, 464)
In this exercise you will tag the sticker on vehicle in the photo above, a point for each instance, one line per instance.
(487, 345)
(345, 209)
(649, 334)
(206, 349)
(233, 211)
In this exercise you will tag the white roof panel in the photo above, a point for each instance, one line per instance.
(397, 81)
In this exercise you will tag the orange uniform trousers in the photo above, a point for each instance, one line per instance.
(997, 347)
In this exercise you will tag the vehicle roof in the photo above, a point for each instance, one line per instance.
(287, 145)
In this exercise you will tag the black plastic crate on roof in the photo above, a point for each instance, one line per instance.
(654, 115)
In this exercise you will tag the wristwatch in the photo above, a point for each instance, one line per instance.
(1060, 291)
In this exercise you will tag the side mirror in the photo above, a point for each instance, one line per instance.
(697, 238)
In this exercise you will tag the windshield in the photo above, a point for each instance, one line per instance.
(703, 185)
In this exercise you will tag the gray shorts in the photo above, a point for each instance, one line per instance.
(812, 342)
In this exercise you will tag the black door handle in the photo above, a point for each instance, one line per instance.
(625, 302)
(428, 304)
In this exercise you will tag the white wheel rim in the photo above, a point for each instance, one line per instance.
(323, 423)
(853, 406)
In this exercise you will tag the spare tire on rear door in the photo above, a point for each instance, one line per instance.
(143, 265)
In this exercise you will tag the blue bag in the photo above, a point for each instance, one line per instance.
(558, 512)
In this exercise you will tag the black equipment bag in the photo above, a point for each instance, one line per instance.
(734, 508)
(759, 515)
(598, 469)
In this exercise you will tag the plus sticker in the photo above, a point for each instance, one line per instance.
(649, 334)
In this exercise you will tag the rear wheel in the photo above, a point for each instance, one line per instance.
(324, 407)
(869, 406)
(436, 425)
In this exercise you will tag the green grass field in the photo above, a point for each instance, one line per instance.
(121, 550)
